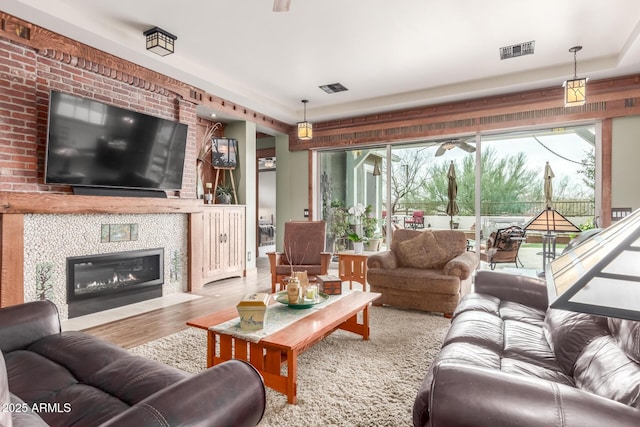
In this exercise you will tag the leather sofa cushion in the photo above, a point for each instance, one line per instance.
(568, 333)
(627, 334)
(603, 368)
(423, 251)
(503, 335)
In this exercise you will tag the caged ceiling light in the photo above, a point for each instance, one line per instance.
(575, 91)
(159, 41)
(305, 129)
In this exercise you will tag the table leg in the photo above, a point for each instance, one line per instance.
(365, 323)
(211, 347)
(292, 375)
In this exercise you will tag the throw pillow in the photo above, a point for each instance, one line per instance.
(422, 252)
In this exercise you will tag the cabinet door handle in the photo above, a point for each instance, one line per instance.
(221, 238)
(225, 237)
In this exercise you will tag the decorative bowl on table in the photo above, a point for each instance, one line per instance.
(283, 298)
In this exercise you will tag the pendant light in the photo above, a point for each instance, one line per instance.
(575, 91)
(305, 129)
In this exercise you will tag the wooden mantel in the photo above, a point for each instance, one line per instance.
(14, 205)
(52, 203)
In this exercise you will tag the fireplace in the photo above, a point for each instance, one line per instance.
(100, 282)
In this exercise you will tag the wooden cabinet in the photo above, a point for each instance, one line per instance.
(223, 243)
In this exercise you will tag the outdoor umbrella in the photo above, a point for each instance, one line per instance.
(548, 185)
(452, 193)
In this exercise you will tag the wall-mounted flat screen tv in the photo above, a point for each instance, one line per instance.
(93, 144)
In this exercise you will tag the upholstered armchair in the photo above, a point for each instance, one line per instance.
(425, 270)
(304, 243)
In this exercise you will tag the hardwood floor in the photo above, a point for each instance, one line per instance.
(137, 330)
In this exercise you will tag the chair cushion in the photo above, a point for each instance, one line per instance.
(423, 251)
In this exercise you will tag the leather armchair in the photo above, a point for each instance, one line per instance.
(105, 385)
(304, 250)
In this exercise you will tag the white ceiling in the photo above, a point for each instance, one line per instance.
(389, 54)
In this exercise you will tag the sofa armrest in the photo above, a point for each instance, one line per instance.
(530, 291)
(23, 324)
(385, 260)
(468, 395)
(461, 266)
(229, 394)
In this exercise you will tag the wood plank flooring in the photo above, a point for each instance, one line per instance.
(137, 330)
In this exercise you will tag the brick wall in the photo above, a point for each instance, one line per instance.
(26, 77)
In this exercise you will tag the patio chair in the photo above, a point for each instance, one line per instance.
(416, 220)
(503, 246)
(304, 243)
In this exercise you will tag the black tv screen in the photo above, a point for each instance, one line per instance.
(93, 144)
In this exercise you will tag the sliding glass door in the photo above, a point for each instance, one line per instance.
(500, 182)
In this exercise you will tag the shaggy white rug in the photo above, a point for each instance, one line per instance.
(343, 380)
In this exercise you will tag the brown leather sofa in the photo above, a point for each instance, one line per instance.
(508, 360)
(72, 378)
(423, 270)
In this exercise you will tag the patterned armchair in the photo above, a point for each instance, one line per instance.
(503, 246)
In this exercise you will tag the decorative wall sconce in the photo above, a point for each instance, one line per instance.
(305, 129)
(575, 91)
(159, 41)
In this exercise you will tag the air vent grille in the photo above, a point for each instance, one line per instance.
(333, 88)
(516, 50)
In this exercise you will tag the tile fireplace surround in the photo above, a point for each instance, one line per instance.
(50, 239)
(38, 231)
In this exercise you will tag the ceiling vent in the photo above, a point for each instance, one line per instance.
(333, 88)
(516, 50)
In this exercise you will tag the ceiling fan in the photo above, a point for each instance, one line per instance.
(281, 5)
(452, 143)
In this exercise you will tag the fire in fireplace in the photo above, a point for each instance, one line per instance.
(101, 282)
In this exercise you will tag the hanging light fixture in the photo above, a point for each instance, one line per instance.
(575, 91)
(305, 129)
(160, 41)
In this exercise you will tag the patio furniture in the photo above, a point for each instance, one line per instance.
(416, 220)
(503, 246)
(303, 251)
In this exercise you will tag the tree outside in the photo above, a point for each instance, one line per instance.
(509, 185)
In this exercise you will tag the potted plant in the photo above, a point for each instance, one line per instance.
(358, 242)
(223, 194)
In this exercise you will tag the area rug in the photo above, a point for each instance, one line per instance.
(343, 380)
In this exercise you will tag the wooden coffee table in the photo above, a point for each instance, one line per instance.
(284, 346)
